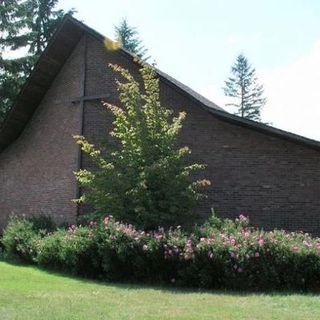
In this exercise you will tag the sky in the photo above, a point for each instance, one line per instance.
(197, 41)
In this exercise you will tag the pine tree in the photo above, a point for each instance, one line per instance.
(128, 37)
(243, 86)
(25, 26)
(145, 180)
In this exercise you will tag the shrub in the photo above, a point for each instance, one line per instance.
(20, 235)
(73, 250)
(130, 254)
(219, 254)
(145, 180)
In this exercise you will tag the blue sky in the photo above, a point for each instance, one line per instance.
(197, 41)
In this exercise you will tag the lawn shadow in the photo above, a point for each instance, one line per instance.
(156, 286)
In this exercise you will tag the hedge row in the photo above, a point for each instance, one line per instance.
(219, 254)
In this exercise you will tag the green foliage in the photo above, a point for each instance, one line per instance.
(42, 222)
(243, 87)
(73, 250)
(230, 256)
(128, 37)
(25, 25)
(146, 180)
(21, 235)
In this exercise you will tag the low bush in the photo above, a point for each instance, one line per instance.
(74, 250)
(219, 254)
(21, 234)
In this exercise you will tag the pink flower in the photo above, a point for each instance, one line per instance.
(294, 249)
(93, 223)
(158, 236)
(257, 254)
(72, 228)
(306, 243)
(233, 242)
(106, 220)
(261, 242)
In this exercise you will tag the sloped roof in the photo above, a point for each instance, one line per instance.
(53, 58)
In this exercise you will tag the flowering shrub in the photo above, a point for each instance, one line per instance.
(218, 254)
(21, 233)
(73, 250)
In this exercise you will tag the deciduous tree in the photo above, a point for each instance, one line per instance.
(145, 180)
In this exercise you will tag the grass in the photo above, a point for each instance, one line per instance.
(30, 293)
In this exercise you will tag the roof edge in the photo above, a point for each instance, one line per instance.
(212, 107)
(203, 102)
(34, 69)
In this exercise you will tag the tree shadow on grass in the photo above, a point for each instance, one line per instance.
(14, 261)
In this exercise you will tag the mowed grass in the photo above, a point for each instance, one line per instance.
(30, 293)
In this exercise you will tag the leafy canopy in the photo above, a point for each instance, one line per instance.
(25, 29)
(245, 90)
(145, 180)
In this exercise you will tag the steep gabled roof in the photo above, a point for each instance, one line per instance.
(53, 58)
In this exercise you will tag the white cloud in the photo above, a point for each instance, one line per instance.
(293, 94)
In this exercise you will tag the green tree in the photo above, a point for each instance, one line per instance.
(128, 37)
(25, 27)
(245, 90)
(145, 180)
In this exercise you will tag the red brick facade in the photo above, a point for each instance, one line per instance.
(274, 181)
(36, 171)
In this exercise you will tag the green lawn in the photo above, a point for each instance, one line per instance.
(29, 293)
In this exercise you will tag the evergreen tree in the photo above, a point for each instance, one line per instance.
(25, 25)
(145, 180)
(128, 37)
(244, 88)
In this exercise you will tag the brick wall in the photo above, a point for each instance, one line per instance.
(275, 182)
(36, 171)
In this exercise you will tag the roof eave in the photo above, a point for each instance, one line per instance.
(18, 116)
